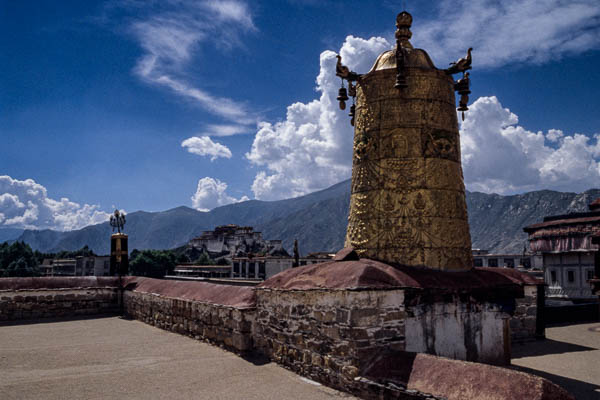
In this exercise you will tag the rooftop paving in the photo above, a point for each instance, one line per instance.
(569, 357)
(118, 358)
(113, 357)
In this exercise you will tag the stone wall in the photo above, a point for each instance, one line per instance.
(23, 305)
(325, 334)
(481, 328)
(228, 326)
(523, 323)
(354, 334)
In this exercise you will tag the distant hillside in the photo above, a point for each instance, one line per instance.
(318, 220)
(9, 234)
(497, 221)
(175, 227)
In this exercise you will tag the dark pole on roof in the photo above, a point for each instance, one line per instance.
(596, 241)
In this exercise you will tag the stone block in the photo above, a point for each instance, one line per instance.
(350, 371)
(342, 349)
(298, 340)
(314, 345)
(330, 362)
(209, 332)
(364, 317)
(317, 360)
(394, 315)
(341, 316)
(332, 332)
(357, 334)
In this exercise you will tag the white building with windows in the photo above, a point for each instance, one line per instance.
(564, 242)
(78, 266)
(233, 240)
(266, 267)
(483, 258)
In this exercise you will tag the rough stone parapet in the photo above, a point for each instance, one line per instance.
(54, 303)
(326, 334)
(227, 326)
(226, 295)
(334, 335)
(13, 284)
(523, 322)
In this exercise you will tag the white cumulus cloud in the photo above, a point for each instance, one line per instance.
(312, 148)
(500, 156)
(509, 31)
(211, 193)
(204, 146)
(25, 204)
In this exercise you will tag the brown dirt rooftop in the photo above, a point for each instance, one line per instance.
(116, 358)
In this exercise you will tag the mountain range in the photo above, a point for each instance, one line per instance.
(318, 220)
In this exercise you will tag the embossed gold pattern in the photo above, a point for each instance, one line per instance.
(408, 197)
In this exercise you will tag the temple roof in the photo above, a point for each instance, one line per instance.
(567, 220)
(416, 58)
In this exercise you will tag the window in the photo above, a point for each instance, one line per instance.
(478, 262)
(590, 274)
(493, 262)
(236, 269)
(509, 262)
(553, 276)
(261, 270)
(251, 269)
(571, 276)
(526, 262)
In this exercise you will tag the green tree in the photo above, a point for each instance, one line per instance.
(17, 259)
(204, 259)
(85, 251)
(152, 263)
(222, 261)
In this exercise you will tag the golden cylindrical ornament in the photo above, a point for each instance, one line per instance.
(407, 202)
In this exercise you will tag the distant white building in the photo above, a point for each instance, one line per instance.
(483, 258)
(232, 240)
(565, 243)
(78, 266)
(266, 267)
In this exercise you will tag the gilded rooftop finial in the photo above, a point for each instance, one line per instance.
(117, 221)
(403, 33)
(407, 203)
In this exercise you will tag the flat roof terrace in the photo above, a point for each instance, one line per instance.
(116, 358)
(569, 357)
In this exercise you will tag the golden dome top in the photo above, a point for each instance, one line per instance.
(416, 58)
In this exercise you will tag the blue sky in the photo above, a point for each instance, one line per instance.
(155, 104)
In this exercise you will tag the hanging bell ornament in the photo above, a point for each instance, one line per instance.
(351, 90)
(463, 87)
(464, 99)
(342, 97)
(400, 81)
